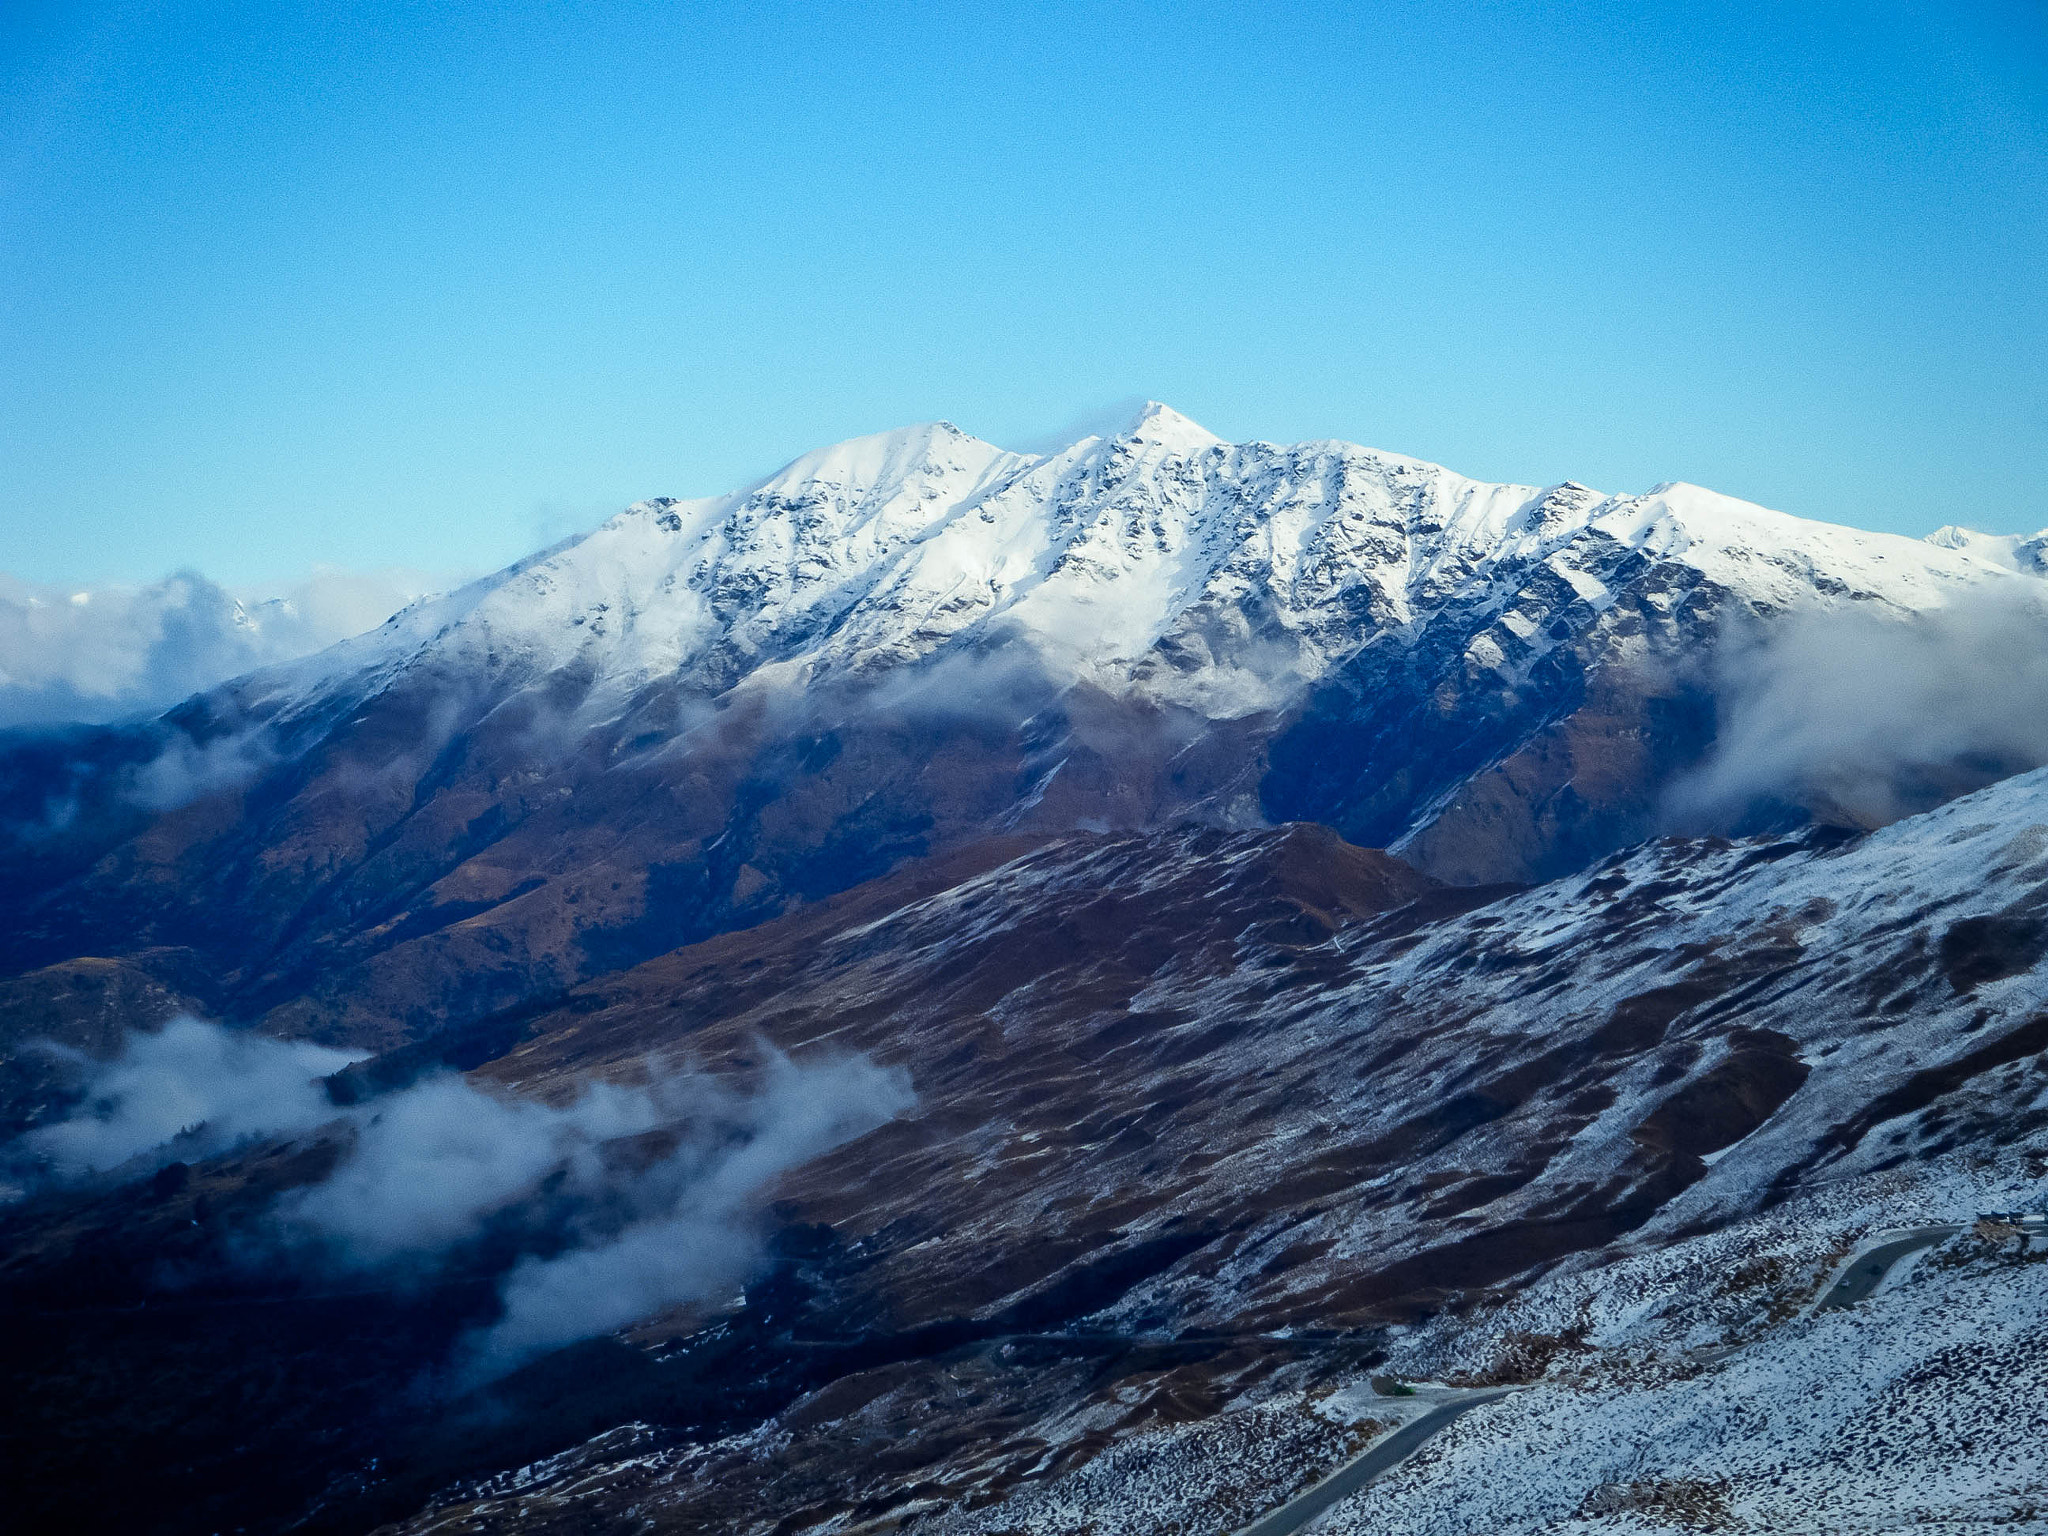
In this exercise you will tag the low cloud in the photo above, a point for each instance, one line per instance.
(190, 1090)
(187, 770)
(693, 1237)
(621, 1201)
(1873, 716)
(95, 654)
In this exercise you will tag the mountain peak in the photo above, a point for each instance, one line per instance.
(881, 458)
(1162, 425)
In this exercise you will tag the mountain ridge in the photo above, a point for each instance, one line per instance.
(948, 534)
(702, 714)
(871, 502)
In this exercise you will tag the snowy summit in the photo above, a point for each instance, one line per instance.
(1221, 576)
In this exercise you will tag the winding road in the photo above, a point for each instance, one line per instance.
(1857, 1280)
(1864, 1273)
(1371, 1463)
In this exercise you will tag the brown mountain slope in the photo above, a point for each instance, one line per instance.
(1076, 1024)
(1175, 1092)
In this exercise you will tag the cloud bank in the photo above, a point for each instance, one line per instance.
(1876, 717)
(626, 1199)
(99, 654)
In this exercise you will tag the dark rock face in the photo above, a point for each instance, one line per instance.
(1526, 768)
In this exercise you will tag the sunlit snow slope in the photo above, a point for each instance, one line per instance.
(1219, 575)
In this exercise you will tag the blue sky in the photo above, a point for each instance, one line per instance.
(430, 283)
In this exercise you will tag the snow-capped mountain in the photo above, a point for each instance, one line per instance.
(1223, 577)
(965, 762)
(1406, 654)
(704, 713)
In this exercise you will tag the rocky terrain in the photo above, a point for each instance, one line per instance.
(866, 1005)
(1680, 1089)
(1208, 1125)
